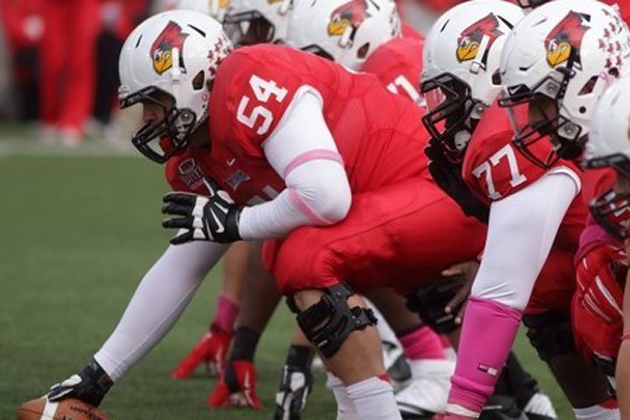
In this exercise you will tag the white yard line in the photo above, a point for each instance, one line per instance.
(28, 147)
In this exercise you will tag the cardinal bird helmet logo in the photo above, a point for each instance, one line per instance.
(162, 49)
(470, 40)
(565, 40)
(350, 14)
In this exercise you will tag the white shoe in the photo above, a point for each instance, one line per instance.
(48, 135)
(391, 353)
(70, 138)
(540, 406)
(427, 393)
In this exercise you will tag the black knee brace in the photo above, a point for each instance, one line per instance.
(327, 323)
(429, 302)
(550, 333)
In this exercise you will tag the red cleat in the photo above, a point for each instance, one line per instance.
(243, 393)
(211, 349)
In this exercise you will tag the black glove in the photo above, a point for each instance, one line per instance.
(294, 390)
(90, 386)
(214, 218)
(448, 176)
(429, 302)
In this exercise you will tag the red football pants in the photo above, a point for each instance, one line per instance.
(67, 62)
(400, 236)
(555, 285)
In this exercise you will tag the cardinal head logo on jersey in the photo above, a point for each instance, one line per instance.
(565, 40)
(470, 40)
(162, 49)
(351, 14)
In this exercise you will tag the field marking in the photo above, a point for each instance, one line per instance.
(99, 148)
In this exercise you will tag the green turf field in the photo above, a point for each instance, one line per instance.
(77, 234)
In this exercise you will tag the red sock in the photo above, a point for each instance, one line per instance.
(422, 343)
(227, 311)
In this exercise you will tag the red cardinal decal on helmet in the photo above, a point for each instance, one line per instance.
(470, 40)
(350, 14)
(564, 41)
(162, 49)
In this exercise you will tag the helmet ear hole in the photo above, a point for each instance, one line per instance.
(589, 86)
(496, 78)
(363, 51)
(199, 81)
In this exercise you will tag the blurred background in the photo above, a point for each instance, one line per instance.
(58, 67)
(81, 223)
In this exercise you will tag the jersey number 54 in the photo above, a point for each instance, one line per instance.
(263, 90)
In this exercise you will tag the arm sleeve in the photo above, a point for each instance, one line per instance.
(303, 152)
(159, 300)
(521, 231)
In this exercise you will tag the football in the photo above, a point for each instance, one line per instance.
(70, 409)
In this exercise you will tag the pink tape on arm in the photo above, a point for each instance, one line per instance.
(311, 155)
(303, 206)
(487, 336)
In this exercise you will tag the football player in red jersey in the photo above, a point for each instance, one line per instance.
(347, 33)
(67, 68)
(247, 22)
(328, 162)
(542, 240)
(397, 61)
(374, 46)
(603, 310)
(600, 262)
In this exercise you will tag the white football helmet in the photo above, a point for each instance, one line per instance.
(530, 4)
(345, 31)
(214, 8)
(460, 77)
(174, 54)
(609, 146)
(555, 65)
(250, 22)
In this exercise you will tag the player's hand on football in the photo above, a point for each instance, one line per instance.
(467, 270)
(294, 390)
(202, 218)
(90, 386)
(447, 175)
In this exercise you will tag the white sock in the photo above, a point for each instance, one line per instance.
(373, 399)
(345, 407)
(596, 412)
(451, 354)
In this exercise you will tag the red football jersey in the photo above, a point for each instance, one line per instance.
(398, 65)
(493, 169)
(379, 136)
(596, 182)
